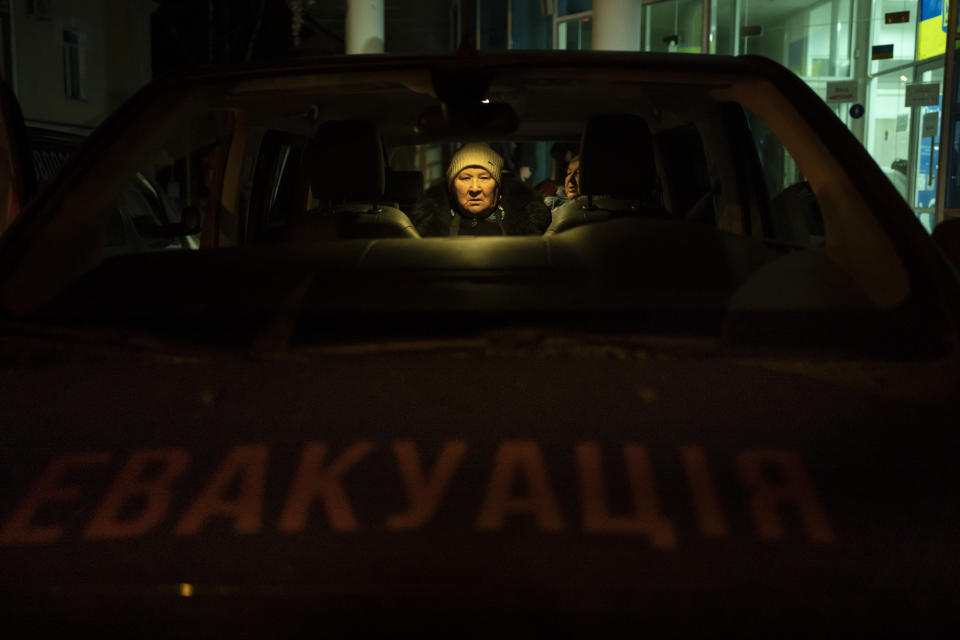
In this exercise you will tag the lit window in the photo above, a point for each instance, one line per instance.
(75, 64)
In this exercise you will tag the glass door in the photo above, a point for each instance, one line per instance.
(673, 25)
(888, 127)
(927, 149)
(812, 38)
(575, 33)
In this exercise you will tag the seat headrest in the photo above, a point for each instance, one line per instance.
(404, 186)
(345, 162)
(617, 159)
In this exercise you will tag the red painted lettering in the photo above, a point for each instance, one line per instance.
(795, 489)
(157, 491)
(519, 458)
(709, 514)
(424, 493)
(313, 482)
(246, 464)
(49, 488)
(646, 517)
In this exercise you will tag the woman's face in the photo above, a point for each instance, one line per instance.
(571, 182)
(475, 189)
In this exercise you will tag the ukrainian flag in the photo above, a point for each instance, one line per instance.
(932, 33)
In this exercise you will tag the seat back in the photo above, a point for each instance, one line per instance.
(345, 165)
(795, 216)
(404, 187)
(618, 174)
(344, 162)
(617, 159)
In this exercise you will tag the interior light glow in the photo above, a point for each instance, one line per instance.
(485, 101)
(186, 589)
(903, 78)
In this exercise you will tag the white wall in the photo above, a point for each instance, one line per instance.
(117, 57)
(127, 31)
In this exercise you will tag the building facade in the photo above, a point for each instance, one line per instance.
(71, 62)
(879, 64)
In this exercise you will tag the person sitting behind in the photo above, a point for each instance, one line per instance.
(571, 182)
(476, 200)
(571, 185)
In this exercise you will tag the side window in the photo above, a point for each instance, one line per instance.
(165, 202)
(794, 215)
(189, 167)
(141, 221)
(688, 187)
(279, 191)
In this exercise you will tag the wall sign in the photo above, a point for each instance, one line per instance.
(896, 17)
(881, 52)
(931, 125)
(922, 94)
(842, 91)
(857, 111)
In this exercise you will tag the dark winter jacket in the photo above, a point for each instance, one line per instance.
(524, 212)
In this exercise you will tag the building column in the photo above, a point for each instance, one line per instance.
(364, 32)
(861, 65)
(616, 25)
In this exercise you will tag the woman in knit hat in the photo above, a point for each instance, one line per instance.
(479, 199)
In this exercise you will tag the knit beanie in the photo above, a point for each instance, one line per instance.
(475, 154)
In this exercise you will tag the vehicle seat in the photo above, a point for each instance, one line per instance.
(403, 188)
(618, 174)
(344, 165)
(795, 216)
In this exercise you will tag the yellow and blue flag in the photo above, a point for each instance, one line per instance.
(932, 32)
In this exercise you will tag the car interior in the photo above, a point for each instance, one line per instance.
(703, 195)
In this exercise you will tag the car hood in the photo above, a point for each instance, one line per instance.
(578, 486)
